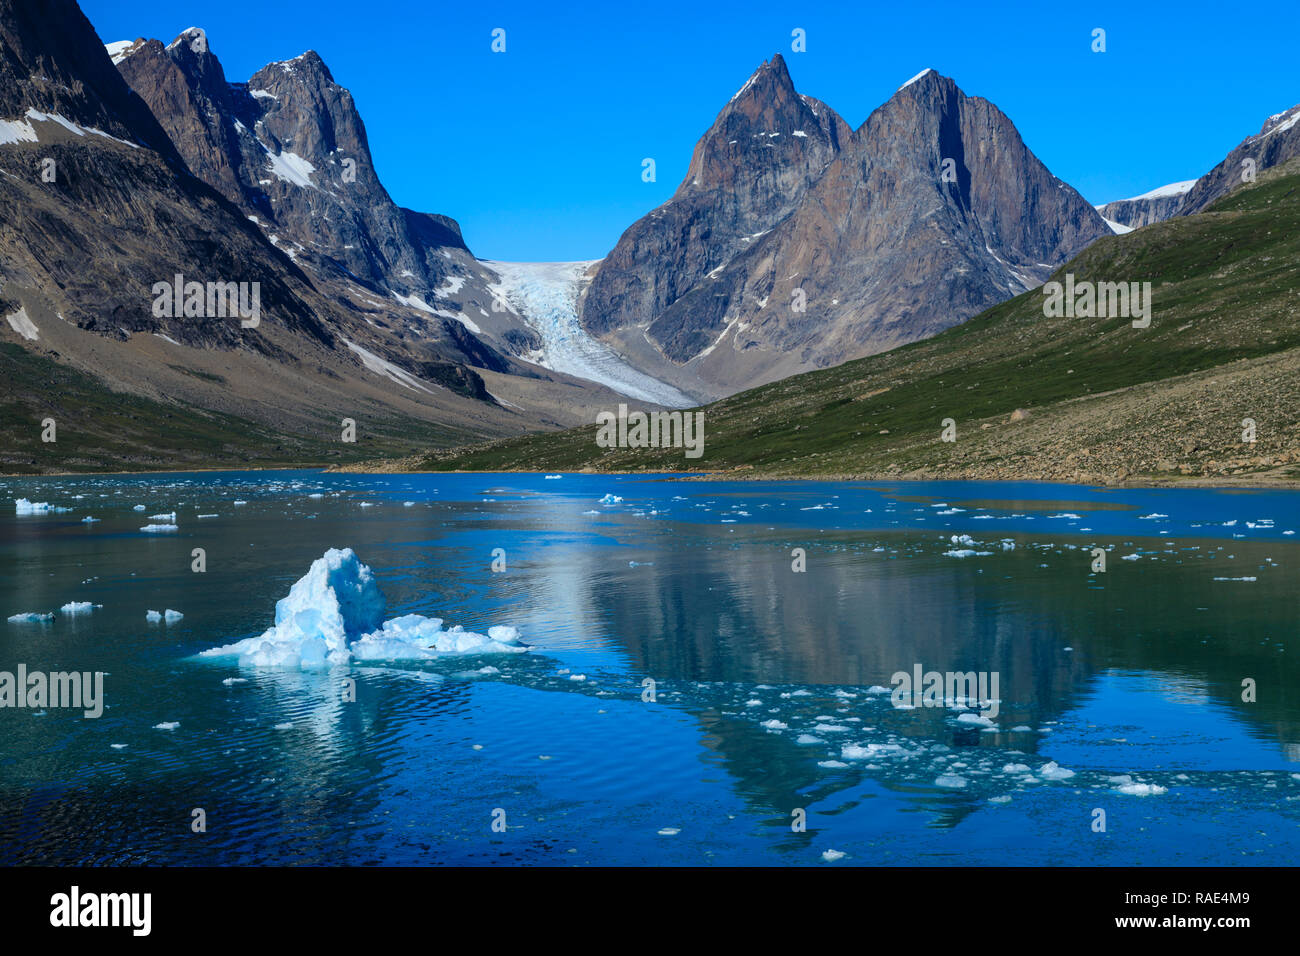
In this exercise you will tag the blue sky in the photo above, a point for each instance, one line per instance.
(537, 152)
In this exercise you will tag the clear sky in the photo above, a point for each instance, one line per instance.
(537, 151)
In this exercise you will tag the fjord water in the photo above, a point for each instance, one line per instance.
(1119, 691)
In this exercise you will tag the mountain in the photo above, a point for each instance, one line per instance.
(1153, 206)
(748, 172)
(290, 148)
(1277, 141)
(1089, 400)
(100, 206)
(929, 212)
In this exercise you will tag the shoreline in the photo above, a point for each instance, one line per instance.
(1237, 483)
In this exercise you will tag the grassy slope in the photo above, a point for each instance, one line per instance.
(1106, 401)
(101, 430)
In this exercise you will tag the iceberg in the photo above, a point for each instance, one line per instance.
(31, 617)
(335, 613)
(24, 507)
(79, 607)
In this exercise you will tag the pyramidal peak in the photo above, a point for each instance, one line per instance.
(918, 76)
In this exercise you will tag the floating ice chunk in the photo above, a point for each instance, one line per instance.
(808, 739)
(1005, 798)
(1054, 771)
(832, 764)
(335, 602)
(31, 617)
(334, 613)
(118, 746)
(854, 752)
(610, 499)
(288, 725)
(167, 725)
(962, 539)
(670, 831)
(88, 520)
(413, 637)
(979, 719)
(79, 607)
(775, 724)
(1141, 789)
(1016, 768)
(951, 780)
(153, 617)
(239, 503)
(232, 681)
(24, 507)
(138, 508)
(577, 677)
(207, 516)
(171, 616)
(830, 856)
(159, 528)
(830, 728)
(165, 516)
(1130, 557)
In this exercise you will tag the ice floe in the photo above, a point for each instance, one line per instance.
(335, 613)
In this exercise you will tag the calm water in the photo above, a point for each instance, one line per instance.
(764, 677)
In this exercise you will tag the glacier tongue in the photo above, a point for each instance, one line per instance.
(335, 613)
(546, 294)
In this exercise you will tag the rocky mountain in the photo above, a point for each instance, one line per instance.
(1154, 206)
(1090, 400)
(100, 205)
(748, 172)
(931, 211)
(1277, 141)
(290, 148)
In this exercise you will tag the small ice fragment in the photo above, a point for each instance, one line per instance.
(1054, 771)
(167, 725)
(31, 617)
(830, 856)
(79, 607)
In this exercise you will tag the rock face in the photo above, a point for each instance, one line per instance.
(290, 149)
(1154, 206)
(933, 210)
(748, 172)
(108, 192)
(118, 211)
(1277, 141)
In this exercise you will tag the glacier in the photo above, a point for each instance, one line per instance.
(546, 294)
(335, 614)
